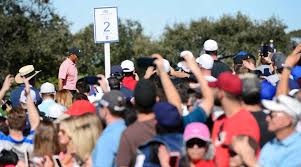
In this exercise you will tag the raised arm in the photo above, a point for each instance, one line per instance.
(150, 71)
(290, 62)
(103, 82)
(208, 98)
(33, 113)
(170, 90)
(6, 85)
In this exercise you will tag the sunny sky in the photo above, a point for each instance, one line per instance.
(154, 15)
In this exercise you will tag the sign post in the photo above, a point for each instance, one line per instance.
(106, 31)
(107, 60)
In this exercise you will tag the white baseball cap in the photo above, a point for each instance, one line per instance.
(210, 45)
(285, 104)
(127, 66)
(206, 61)
(47, 88)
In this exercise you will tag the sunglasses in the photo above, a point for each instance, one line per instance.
(195, 141)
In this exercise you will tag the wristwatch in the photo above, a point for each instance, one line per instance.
(287, 67)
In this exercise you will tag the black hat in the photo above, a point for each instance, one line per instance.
(75, 51)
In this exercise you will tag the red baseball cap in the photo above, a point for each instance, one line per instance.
(80, 107)
(228, 82)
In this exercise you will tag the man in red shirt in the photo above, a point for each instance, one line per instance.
(235, 121)
(129, 80)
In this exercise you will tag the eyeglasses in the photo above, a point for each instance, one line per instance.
(273, 114)
(195, 141)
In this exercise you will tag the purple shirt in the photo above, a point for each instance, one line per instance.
(68, 73)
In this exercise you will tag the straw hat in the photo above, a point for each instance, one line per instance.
(27, 72)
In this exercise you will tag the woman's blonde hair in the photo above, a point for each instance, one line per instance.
(46, 140)
(64, 97)
(83, 131)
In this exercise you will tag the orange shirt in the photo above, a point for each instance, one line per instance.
(225, 128)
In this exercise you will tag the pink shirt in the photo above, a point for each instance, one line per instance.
(68, 73)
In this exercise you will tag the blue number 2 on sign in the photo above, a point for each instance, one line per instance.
(107, 25)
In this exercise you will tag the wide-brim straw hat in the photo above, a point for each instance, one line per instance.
(27, 72)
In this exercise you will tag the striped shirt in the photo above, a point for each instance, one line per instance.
(17, 146)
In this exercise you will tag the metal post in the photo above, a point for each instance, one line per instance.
(107, 60)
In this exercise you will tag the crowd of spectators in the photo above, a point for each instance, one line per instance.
(200, 113)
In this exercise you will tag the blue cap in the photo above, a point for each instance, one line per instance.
(167, 114)
(296, 72)
(242, 55)
(116, 70)
(267, 91)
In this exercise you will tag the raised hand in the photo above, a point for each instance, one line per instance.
(27, 86)
(249, 65)
(243, 149)
(7, 82)
(149, 72)
(297, 50)
(159, 62)
(103, 83)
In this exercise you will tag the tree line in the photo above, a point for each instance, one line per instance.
(31, 32)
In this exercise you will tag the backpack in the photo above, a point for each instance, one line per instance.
(147, 153)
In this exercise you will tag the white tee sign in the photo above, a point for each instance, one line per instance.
(106, 25)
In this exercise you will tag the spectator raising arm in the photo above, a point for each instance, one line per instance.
(103, 82)
(290, 62)
(208, 99)
(245, 151)
(6, 85)
(33, 114)
(149, 72)
(170, 90)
